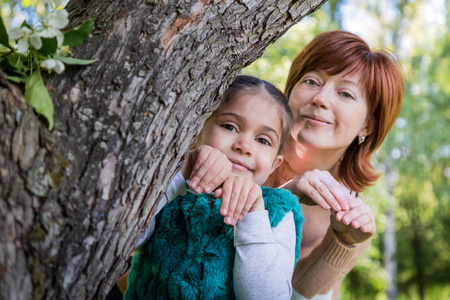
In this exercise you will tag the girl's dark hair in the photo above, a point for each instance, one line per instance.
(255, 85)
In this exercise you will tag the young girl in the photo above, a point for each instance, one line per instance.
(193, 254)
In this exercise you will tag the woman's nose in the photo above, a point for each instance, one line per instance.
(242, 146)
(322, 98)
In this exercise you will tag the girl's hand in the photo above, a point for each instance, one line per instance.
(239, 196)
(207, 168)
(356, 225)
(322, 188)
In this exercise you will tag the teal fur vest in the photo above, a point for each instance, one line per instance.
(191, 252)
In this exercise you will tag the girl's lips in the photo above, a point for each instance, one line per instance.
(240, 167)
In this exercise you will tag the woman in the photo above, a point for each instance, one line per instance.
(345, 99)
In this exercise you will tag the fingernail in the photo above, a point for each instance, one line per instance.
(198, 190)
(356, 224)
(234, 221)
(208, 189)
(241, 217)
(337, 208)
(193, 184)
(345, 206)
(345, 220)
(228, 220)
(223, 211)
(327, 206)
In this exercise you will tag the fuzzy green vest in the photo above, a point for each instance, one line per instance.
(191, 252)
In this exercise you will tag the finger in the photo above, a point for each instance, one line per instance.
(355, 213)
(201, 166)
(362, 220)
(369, 228)
(316, 196)
(255, 194)
(340, 214)
(222, 175)
(326, 194)
(226, 194)
(243, 199)
(218, 192)
(338, 192)
(355, 202)
(317, 190)
(234, 198)
(209, 172)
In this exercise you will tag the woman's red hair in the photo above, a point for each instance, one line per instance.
(341, 52)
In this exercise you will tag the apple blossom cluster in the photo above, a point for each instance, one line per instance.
(24, 50)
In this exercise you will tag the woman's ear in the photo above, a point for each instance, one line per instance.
(367, 129)
(276, 163)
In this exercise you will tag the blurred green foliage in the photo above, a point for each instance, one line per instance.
(416, 154)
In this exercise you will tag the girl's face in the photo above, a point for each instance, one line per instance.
(247, 129)
(329, 111)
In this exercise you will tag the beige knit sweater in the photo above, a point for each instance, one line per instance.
(325, 260)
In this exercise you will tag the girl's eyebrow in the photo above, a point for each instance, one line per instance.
(241, 118)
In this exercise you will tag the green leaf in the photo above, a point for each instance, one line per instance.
(4, 38)
(75, 61)
(79, 34)
(49, 46)
(6, 65)
(16, 79)
(37, 96)
(15, 60)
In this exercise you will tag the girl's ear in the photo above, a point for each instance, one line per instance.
(276, 163)
(194, 144)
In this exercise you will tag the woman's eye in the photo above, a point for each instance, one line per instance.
(263, 141)
(229, 127)
(347, 95)
(311, 82)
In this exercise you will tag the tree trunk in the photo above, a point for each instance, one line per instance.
(75, 201)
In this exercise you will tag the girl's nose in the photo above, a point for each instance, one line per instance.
(242, 146)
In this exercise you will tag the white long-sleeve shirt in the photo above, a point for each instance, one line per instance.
(265, 256)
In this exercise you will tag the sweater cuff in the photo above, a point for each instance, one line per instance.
(253, 229)
(337, 253)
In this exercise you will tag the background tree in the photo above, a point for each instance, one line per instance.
(416, 155)
(75, 200)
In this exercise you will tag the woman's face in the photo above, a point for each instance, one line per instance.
(329, 111)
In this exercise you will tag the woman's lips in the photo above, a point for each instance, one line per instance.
(314, 120)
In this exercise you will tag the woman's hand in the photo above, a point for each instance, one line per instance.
(355, 225)
(322, 188)
(207, 169)
(239, 196)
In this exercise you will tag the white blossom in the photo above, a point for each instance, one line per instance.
(15, 33)
(35, 41)
(24, 35)
(53, 23)
(53, 65)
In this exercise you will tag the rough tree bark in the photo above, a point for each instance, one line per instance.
(75, 200)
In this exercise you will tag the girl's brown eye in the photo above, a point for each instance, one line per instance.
(263, 141)
(229, 127)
